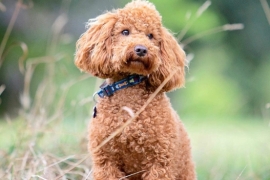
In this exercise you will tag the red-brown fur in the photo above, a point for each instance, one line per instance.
(156, 143)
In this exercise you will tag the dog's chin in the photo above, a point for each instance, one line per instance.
(138, 66)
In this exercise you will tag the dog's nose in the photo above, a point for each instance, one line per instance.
(140, 50)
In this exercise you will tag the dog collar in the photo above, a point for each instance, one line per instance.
(109, 90)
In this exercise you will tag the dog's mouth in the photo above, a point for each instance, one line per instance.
(138, 63)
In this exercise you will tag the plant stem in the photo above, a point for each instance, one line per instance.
(266, 9)
(9, 29)
(226, 27)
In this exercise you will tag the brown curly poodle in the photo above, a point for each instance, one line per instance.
(131, 49)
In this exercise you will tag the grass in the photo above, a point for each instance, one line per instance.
(222, 149)
(227, 149)
(47, 152)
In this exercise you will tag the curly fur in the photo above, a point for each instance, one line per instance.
(156, 143)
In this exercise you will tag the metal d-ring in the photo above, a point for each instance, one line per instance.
(94, 99)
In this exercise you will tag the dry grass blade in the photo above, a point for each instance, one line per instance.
(226, 27)
(22, 58)
(189, 58)
(66, 88)
(39, 177)
(266, 9)
(24, 161)
(43, 86)
(2, 7)
(241, 173)
(57, 27)
(9, 29)
(203, 8)
(19, 6)
(200, 11)
(2, 88)
(40, 60)
(74, 166)
(130, 112)
(119, 130)
(58, 162)
(132, 174)
(232, 27)
(185, 29)
(87, 175)
(25, 97)
(86, 100)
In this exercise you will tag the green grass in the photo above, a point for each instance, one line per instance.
(231, 149)
(222, 149)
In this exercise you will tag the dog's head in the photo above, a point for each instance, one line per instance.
(131, 40)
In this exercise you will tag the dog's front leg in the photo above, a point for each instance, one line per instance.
(157, 171)
(105, 169)
(107, 173)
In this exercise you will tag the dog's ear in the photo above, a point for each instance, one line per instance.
(172, 60)
(94, 48)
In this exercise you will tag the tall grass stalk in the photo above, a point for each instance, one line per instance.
(189, 24)
(192, 20)
(19, 5)
(266, 9)
(226, 27)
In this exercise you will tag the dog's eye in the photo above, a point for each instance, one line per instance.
(125, 32)
(150, 36)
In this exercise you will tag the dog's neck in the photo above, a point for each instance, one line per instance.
(109, 88)
(116, 78)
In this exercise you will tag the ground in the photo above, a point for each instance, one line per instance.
(223, 148)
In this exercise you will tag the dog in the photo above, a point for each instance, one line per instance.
(131, 49)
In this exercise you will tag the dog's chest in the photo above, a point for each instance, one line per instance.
(138, 141)
(143, 131)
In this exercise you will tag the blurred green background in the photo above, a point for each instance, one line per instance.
(225, 103)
